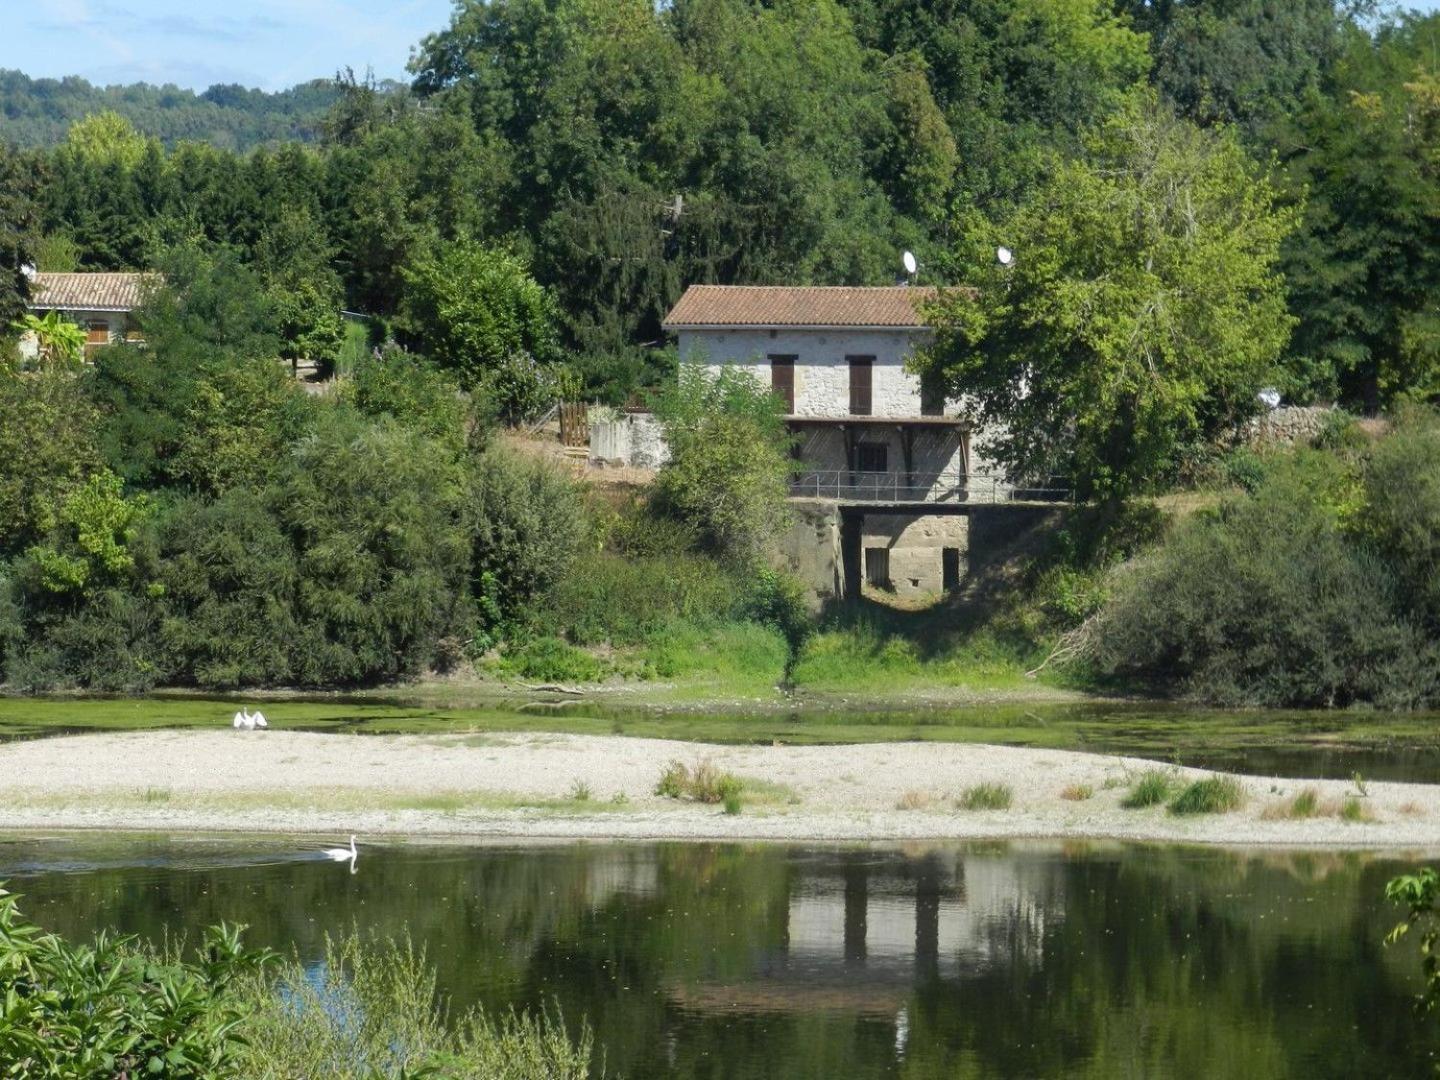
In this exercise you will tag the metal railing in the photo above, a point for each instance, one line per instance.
(845, 485)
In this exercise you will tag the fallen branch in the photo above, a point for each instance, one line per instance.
(1072, 645)
(553, 688)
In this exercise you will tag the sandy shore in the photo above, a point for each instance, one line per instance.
(573, 786)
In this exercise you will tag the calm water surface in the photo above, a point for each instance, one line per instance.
(726, 960)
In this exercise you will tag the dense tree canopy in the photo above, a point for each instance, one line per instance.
(1142, 311)
(621, 150)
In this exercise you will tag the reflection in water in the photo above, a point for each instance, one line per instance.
(726, 960)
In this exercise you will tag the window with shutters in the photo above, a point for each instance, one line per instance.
(782, 380)
(861, 381)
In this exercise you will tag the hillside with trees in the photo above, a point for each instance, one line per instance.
(1204, 198)
(38, 112)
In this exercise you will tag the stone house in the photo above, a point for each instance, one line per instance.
(102, 305)
(889, 472)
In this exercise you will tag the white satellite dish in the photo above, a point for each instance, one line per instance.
(909, 260)
(1004, 256)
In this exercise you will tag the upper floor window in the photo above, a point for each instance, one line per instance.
(861, 372)
(872, 457)
(782, 380)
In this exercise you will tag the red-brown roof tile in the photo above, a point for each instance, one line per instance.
(88, 292)
(799, 305)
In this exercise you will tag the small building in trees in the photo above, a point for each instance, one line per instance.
(101, 304)
(885, 462)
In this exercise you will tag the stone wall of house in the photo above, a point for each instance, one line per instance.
(634, 439)
(822, 367)
(1287, 425)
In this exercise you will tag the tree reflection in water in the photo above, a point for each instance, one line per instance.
(762, 960)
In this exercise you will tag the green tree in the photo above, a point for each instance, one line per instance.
(1141, 313)
(19, 232)
(47, 448)
(107, 138)
(1363, 269)
(477, 312)
(728, 473)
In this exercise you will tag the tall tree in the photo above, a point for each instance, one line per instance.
(1140, 314)
(19, 233)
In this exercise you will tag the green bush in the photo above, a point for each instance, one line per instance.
(1213, 795)
(1269, 601)
(989, 796)
(1150, 788)
(623, 600)
(528, 524)
(114, 1008)
(728, 473)
(552, 660)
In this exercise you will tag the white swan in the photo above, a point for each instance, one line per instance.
(260, 721)
(340, 854)
(243, 721)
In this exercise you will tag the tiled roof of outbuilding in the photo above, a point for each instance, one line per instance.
(799, 305)
(88, 292)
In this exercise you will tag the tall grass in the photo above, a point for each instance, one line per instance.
(371, 1011)
(989, 796)
(1150, 788)
(1213, 795)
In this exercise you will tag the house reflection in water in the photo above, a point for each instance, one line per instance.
(865, 928)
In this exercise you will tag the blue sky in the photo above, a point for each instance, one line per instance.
(271, 44)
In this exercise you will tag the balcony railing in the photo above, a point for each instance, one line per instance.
(950, 487)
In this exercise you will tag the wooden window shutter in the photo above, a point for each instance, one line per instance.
(861, 369)
(782, 380)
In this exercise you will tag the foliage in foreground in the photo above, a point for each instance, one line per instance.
(1419, 894)
(373, 1011)
(118, 1008)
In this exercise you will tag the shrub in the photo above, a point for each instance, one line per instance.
(115, 1008)
(704, 783)
(553, 660)
(728, 472)
(1353, 810)
(989, 796)
(1077, 793)
(611, 598)
(528, 524)
(1213, 795)
(1269, 602)
(1151, 788)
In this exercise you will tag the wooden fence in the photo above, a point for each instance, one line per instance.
(574, 424)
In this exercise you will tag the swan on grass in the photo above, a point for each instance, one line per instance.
(245, 720)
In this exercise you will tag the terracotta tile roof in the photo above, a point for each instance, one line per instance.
(799, 305)
(87, 292)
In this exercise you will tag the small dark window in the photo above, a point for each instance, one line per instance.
(932, 396)
(782, 380)
(950, 568)
(871, 457)
(877, 567)
(861, 372)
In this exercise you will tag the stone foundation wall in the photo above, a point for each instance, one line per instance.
(810, 549)
(915, 544)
